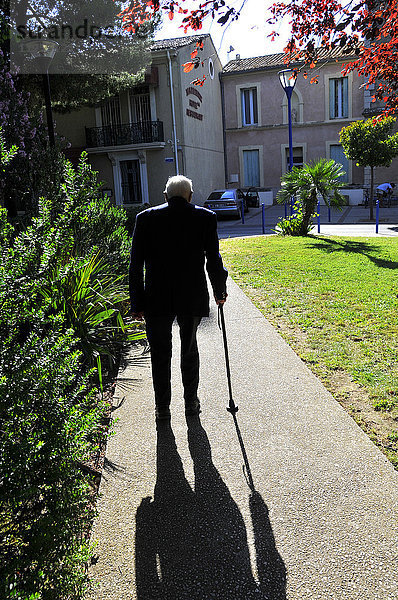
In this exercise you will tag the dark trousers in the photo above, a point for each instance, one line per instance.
(158, 330)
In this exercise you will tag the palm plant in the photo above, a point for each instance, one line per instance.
(93, 303)
(317, 179)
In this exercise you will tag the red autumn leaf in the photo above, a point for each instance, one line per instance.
(199, 81)
(171, 15)
(194, 54)
(188, 67)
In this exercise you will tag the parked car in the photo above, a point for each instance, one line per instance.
(227, 203)
(252, 197)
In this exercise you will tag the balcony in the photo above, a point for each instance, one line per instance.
(125, 134)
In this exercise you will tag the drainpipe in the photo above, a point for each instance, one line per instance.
(224, 135)
(173, 115)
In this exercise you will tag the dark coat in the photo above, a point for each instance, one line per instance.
(170, 245)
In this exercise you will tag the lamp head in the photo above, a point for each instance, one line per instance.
(288, 78)
(41, 48)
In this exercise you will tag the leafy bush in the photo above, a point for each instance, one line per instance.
(131, 214)
(97, 225)
(62, 307)
(6, 156)
(91, 301)
(294, 225)
(48, 416)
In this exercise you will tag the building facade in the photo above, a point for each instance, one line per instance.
(166, 125)
(256, 120)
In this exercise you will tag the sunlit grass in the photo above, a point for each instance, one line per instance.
(335, 300)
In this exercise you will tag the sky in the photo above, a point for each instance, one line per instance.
(247, 36)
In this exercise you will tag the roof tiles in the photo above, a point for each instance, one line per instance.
(272, 61)
(175, 43)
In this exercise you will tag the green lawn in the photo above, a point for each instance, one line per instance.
(335, 301)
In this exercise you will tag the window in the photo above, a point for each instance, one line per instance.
(131, 181)
(140, 102)
(298, 157)
(211, 68)
(110, 112)
(337, 154)
(338, 98)
(251, 168)
(249, 106)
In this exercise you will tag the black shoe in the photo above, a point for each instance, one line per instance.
(192, 408)
(162, 413)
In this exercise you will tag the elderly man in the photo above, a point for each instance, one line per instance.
(171, 245)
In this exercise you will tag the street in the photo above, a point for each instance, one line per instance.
(351, 221)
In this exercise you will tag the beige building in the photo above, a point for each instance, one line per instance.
(256, 120)
(167, 125)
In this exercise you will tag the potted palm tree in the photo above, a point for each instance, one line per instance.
(319, 179)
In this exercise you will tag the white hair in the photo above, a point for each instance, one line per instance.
(178, 186)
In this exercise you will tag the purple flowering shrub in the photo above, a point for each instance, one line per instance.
(36, 168)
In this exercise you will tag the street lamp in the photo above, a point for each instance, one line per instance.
(42, 51)
(288, 78)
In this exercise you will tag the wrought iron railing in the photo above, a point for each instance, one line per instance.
(125, 134)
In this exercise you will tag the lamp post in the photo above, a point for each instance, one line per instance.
(42, 51)
(288, 78)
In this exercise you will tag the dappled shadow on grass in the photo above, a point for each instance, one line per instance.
(191, 544)
(367, 249)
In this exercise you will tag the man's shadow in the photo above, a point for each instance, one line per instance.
(192, 544)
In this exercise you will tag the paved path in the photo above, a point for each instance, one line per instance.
(177, 520)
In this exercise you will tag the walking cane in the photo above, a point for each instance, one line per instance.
(232, 408)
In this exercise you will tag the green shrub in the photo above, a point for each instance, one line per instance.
(48, 415)
(295, 224)
(131, 214)
(62, 307)
(93, 302)
(97, 225)
(79, 250)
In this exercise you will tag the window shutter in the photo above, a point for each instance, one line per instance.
(337, 154)
(345, 97)
(332, 96)
(244, 103)
(251, 168)
(249, 106)
(255, 108)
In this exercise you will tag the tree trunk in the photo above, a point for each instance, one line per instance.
(309, 209)
(371, 193)
(21, 13)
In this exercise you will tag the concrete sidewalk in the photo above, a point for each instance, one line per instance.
(177, 520)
